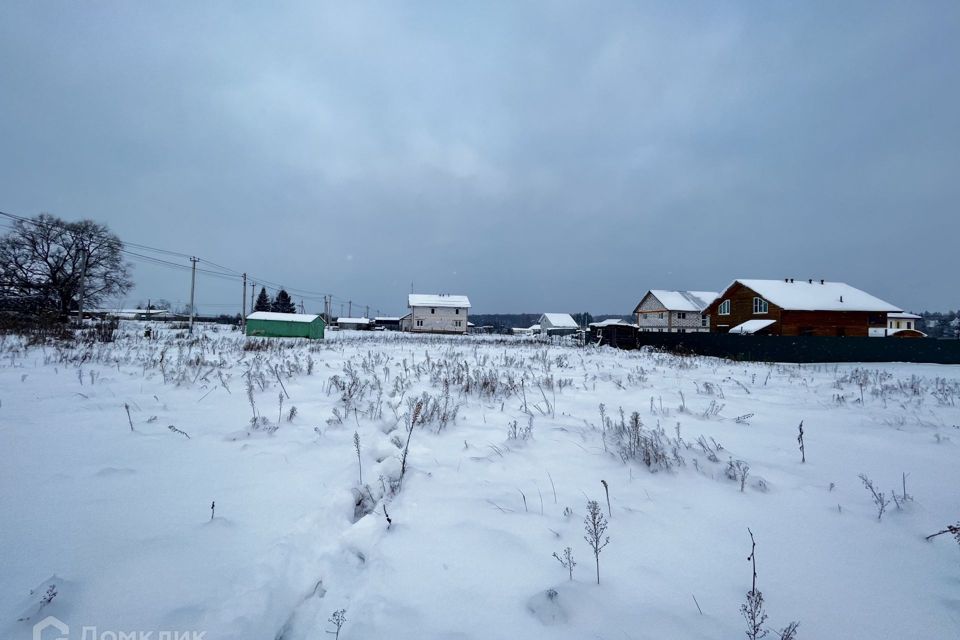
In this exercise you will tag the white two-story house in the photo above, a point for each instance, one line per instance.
(436, 313)
(674, 311)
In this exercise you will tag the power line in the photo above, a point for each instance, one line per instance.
(226, 273)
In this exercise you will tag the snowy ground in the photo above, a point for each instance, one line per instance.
(119, 520)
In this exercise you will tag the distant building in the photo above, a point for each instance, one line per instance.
(436, 313)
(390, 323)
(615, 333)
(900, 325)
(797, 308)
(557, 324)
(666, 311)
(526, 331)
(354, 324)
(267, 324)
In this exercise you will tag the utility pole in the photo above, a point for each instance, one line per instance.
(243, 303)
(83, 286)
(303, 309)
(253, 287)
(193, 286)
(349, 308)
(367, 313)
(341, 309)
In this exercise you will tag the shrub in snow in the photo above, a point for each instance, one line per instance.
(595, 526)
(953, 529)
(546, 607)
(338, 619)
(752, 609)
(356, 446)
(880, 500)
(566, 560)
(738, 470)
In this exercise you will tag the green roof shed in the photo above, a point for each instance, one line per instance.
(267, 324)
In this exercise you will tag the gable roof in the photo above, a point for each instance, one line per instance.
(559, 321)
(283, 317)
(804, 295)
(680, 300)
(437, 300)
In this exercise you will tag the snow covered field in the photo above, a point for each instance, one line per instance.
(510, 443)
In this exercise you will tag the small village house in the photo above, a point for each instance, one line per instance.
(797, 308)
(666, 311)
(268, 324)
(436, 313)
(388, 323)
(354, 324)
(899, 325)
(615, 333)
(526, 331)
(557, 324)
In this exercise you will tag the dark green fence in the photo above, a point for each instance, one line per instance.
(805, 348)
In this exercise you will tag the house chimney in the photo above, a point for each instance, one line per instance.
(786, 279)
(791, 279)
(821, 280)
(810, 281)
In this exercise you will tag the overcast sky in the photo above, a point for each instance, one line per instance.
(534, 156)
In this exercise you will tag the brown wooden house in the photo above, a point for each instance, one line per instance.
(797, 308)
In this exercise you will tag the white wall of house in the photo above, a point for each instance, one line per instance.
(438, 320)
(652, 317)
(901, 323)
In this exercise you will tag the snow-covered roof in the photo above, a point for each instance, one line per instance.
(752, 326)
(892, 332)
(353, 321)
(804, 295)
(904, 316)
(132, 312)
(559, 321)
(284, 317)
(387, 319)
(611, 321)
(437, 300)
(684, 300)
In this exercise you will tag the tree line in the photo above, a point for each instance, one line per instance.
(282, 303)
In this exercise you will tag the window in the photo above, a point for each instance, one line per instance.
(910, 325)
(419, 323)
(660, 315)
(433, 310)
(703, 321)
(724, 308)
(760, 305)
(456, 311)
(681, 315)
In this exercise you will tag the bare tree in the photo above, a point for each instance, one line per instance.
(595, 526)
(49, 259)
